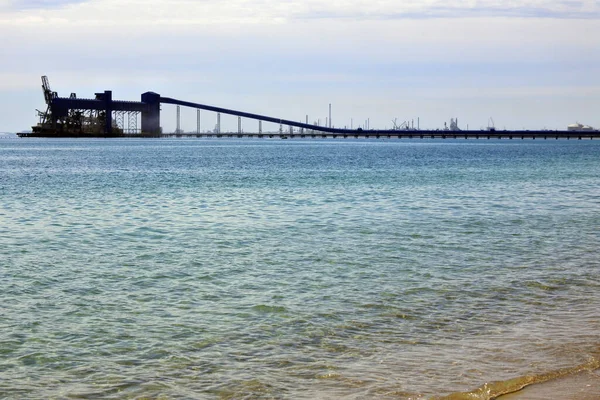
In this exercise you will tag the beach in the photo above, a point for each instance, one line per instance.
(582, 386)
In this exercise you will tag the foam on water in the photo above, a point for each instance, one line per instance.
(296, 269)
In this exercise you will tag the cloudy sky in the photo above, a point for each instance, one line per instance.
(527, 64)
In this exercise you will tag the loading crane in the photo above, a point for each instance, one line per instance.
(67, 121)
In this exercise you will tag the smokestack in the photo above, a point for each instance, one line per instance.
(330, 115)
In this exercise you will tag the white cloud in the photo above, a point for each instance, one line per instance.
(263, 55)
(158, 13)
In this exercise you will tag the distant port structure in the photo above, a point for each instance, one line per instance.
(103, 116)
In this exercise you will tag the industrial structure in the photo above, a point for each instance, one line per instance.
(103, 116)
(453, 125)
(580, 128)
(99, 117)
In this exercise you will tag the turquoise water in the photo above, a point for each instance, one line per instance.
(294, 269)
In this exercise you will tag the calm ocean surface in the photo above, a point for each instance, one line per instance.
(295, 269)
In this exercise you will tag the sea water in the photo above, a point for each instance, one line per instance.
(298, 269)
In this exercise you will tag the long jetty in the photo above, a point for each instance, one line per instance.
(104, 116)
(397, 134)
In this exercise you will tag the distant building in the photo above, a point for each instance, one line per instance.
(579, 128)
(453, 125)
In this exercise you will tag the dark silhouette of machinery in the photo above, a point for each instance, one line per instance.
(60, 119)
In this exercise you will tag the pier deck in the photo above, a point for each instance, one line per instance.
(390, 134)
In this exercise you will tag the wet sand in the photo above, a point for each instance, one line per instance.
(582, 386)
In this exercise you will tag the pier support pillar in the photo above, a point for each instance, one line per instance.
(108, 106)
(151, 114)
(198, 121)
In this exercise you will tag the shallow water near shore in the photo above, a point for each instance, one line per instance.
(582, 386)
(295, 269)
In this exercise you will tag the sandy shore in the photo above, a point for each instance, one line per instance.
(582, 386)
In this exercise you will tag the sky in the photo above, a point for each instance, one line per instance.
(529, 64)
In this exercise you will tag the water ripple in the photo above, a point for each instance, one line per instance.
(256, 269)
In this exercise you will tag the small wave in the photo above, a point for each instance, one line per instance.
(493, 390)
